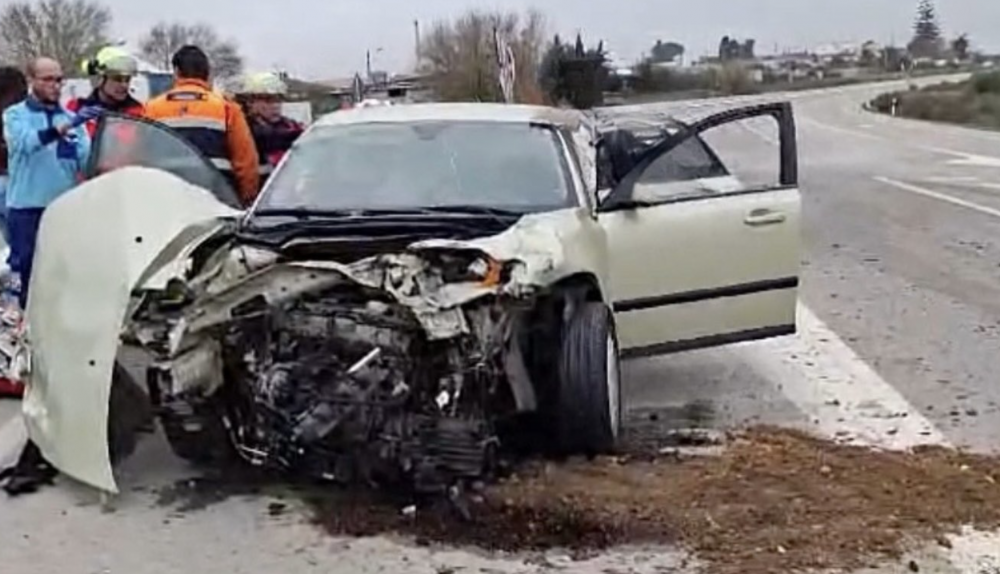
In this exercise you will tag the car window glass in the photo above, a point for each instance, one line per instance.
(129, 142)
(750, 149)
(732, 157)
(404, 165)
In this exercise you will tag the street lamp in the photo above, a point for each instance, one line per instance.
(368, 61)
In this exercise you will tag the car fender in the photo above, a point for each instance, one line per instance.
(95, 242)
(551, 245)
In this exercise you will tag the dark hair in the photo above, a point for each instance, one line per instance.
(13, 86)
(191, 62)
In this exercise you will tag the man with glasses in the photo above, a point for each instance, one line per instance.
(47, 148)
(112, 69)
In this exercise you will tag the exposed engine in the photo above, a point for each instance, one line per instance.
(345, 384)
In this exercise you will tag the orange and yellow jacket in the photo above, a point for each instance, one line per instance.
(214, 125)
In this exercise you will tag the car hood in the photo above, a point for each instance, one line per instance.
(80, 300)
(94, 243)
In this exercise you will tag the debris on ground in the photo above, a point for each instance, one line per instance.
(773, 501)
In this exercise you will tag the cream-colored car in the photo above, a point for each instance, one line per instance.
(417, 290)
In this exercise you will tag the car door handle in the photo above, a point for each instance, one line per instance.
(764, 217)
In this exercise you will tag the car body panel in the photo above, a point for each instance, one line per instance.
(738, 247)
(738, 279)
(94, 244)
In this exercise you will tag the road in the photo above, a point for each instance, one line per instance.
(900, 324)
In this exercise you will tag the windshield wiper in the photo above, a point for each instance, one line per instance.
(472, 210)
(309, 213)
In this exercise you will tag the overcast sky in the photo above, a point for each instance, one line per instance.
(323, 39)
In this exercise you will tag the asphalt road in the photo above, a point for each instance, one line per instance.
(901, 262)
(900, 322)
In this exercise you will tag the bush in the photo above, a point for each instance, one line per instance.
(733, 80)
(986, 83)
(883, 102)
(651, 79)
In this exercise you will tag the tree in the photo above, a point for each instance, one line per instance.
(960, 47)
(896, 59)
(164, 39)
(68, 31)
(871, 54)
(927, 42)
(575, 75)
(666, 51)
(733, 49)
(725, 48)
(460, 56)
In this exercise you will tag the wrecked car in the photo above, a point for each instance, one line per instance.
(416, 289)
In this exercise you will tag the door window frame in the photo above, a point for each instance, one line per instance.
(90, 170)
(621, 197)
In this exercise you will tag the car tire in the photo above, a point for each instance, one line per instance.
(196, 432)
(129, 411)
(588, 411)
(199, 437)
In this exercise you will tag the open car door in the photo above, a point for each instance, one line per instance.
(121, 141)
(699, 255)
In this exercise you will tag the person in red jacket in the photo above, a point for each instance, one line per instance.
(112, 69)
(261, 96)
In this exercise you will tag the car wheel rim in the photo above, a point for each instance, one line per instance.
(614, 387)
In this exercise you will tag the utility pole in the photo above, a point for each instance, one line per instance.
(416, 40)
(368, 64)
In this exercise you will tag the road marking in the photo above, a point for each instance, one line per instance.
(811, 122)
(843, 397)
(967, 159)
(939, 196)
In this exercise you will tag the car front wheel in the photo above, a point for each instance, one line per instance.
(589, 408)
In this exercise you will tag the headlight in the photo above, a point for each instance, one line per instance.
(487, 270)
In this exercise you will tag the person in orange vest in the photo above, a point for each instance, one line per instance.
(112, 69)
(215, 125)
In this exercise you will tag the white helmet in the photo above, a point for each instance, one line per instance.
(111, 60)
(372, 103)
(263, 84)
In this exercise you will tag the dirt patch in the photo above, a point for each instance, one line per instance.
(773, 501)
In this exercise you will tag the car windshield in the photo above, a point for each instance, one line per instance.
(413, 165)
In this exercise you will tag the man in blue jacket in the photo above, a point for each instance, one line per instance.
(47, 150)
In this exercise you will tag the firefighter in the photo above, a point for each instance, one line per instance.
(210, 122)
(112, 70)
(262, 95)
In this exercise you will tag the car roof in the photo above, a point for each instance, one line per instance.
(475, 112)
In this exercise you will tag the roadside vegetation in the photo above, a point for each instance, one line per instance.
(459, 56)
(974, 102)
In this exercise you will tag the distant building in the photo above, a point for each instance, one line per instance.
(397, 88)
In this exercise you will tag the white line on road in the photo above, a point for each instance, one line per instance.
(939, 196)
(843, 397)
(811, 122)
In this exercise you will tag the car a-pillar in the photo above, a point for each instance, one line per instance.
(574, 362)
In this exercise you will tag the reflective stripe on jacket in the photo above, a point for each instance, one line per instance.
(215, 126)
